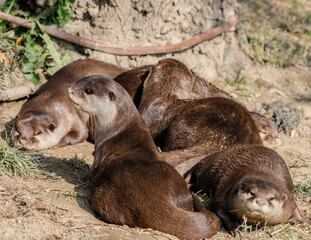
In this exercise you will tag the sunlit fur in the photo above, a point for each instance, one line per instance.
(261, 202)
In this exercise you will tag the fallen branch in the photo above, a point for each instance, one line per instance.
(127, 50)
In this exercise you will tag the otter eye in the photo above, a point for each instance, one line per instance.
(51, 127)
(271, 198)
(37, 133)
(88, 91)
(112, 96)
(252, 194)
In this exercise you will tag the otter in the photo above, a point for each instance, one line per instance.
(179, 81)
(127, 165)
(188, 129)
(247, 180)
(49, 119)
(268, 130)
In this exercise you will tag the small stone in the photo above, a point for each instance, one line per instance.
(2, 189)
(292, 133)
(306, 112)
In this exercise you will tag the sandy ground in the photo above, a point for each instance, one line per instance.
(57, 207)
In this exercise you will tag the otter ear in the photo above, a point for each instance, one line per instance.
(284, 197)
(51, 127)
(241, 186)
(112, 96)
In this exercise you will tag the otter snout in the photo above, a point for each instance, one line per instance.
(70, 91)
(261, 202)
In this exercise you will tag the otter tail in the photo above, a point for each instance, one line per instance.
(198, 224)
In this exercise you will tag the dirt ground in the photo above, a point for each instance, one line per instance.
(57, 207)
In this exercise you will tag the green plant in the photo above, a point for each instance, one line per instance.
(237, 83)
(302, 189)
(73, 194)
(37, 50)
(10, 4)
(14, 162)
(60, 13)
(205, 198)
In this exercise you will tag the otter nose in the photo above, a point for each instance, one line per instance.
(260, 201)
(22, 140)
(70, 91)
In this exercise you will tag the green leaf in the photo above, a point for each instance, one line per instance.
(33, 77)
(66, 59)
(72, 3)
(9, 6)
(51, 48)
(55, 55)
(7, 9)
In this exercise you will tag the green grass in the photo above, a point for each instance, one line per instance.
(73, 194)
(35, 49)
(205, 198)
(267, 48)
(302, 189)
(14, 162)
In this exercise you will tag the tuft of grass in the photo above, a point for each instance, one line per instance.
(205, 198)
(302, 189)
(269, 49)
(14, 162)
(73, 194)
(237, 83)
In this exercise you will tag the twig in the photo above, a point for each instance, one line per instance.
(279, 230)
(127, 50)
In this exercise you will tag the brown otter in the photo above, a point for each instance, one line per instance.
(187, 129)
(49, 119)
(268, 130)
(127, 166)
(247, 180)
(182, 84)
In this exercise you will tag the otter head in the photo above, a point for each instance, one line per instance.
(34, 130)
(98, 96)
(260, 202)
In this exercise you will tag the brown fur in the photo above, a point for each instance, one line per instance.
(187, 129)
(255, 173)
(52, 108)
(268, 129)
(129, 183)
(70, 126)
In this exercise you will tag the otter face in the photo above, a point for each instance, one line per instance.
(259, 201)
(94, 96)
(34, 131)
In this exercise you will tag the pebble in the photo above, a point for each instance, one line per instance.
(306, 112)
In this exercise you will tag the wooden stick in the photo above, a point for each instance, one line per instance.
(127, 50)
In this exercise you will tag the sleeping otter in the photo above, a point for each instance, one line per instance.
(129, 183)
(191, 129)
(247, 180)
(49, 119)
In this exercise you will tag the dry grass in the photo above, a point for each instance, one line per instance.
(14, 162)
